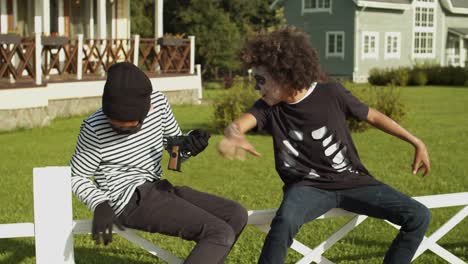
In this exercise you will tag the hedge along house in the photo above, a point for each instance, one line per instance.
(54, 55)
(354, 36)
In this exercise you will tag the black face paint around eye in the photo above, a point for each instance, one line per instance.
(127, 130)
(259, 80)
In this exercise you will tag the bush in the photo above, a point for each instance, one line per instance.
(212, 85)
(378, 77)
(399, 76)
(389, 102)
(418, 77)
(385, 99)
(239, 99)
(459, 76)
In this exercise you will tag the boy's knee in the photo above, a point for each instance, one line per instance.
(420, 217)
(424, 214)
(287, 221)
(239, 217)
(220, 234)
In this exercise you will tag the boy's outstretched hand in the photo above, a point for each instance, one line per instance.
(421, 159)
(234, 145)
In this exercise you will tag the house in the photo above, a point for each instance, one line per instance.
(54, 55)
(354, 36)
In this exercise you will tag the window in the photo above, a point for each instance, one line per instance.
(424, 17)
(310, 6)
(370, 45)
(424, 43)
(424, 28)
(335, 43)
(392, 45)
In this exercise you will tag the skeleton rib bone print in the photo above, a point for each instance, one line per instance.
(335, 149)
(290, 152)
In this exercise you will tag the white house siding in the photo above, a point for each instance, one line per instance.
(384, 20)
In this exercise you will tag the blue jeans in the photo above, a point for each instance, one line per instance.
(302, 204)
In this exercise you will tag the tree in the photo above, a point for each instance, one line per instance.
(218, 38)
(142, 18)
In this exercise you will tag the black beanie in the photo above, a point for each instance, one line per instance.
(127, 93)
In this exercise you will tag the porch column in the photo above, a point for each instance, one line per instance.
(91, 19)
(61, 19)
(158, 18)
(3, 17)
(113, 19)
(61, 29)
(46, 16)
(15, 15)
(462, 51)
(101, 10)
(15, 23)
(129, 32)
(38, 16)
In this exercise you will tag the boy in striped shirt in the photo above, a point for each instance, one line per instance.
(121, 146)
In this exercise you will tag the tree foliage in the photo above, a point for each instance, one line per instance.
(142, 18)
(219, 26)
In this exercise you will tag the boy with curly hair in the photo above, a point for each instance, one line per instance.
(314, 152)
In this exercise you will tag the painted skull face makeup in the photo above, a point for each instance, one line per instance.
(269, 89)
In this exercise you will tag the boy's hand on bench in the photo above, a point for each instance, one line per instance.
(104, 218)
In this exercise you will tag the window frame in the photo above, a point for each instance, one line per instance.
(335, 54)
(375, 53)
(316, 9)
(392, 55)
(424, 31)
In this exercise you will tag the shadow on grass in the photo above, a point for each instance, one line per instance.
(383, 246)
(18, 250)
(15, 250)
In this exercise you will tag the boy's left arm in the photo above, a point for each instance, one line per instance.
(386, 124)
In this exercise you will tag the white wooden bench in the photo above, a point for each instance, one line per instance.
(53, 230)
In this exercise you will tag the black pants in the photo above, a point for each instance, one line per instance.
(213, 222)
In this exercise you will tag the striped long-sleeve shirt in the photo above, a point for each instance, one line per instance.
(120, 163)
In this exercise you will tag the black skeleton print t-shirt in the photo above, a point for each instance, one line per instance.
(312, 142)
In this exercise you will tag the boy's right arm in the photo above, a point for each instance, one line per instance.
(84, 164)
(234, 140)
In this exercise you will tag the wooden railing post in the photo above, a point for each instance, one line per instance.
(38, 61)
(136, 49)
(79, 61)
(192, 54)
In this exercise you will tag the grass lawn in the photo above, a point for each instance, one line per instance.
(438, 115)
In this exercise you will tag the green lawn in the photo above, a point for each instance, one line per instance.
(436, 115)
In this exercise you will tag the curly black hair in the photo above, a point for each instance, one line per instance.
(286, 54)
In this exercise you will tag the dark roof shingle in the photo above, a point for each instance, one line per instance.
(460, 3)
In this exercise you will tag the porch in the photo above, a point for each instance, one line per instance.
(456, 52)
(29, 62)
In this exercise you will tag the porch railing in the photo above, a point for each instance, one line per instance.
(60, 58)
(16, 57)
